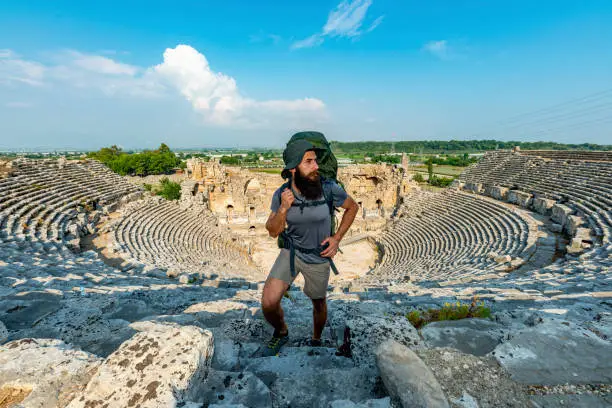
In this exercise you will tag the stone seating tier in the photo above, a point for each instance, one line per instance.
(580, 180)
(159, 232)
(45, 202)
(438, 235)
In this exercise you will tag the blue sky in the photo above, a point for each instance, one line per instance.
(79, 74)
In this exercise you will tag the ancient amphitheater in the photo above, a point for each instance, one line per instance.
(111, 297)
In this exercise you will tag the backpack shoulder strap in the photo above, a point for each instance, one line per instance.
(327, 194)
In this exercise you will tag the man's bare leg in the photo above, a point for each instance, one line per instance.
(319, 317)
(273, 292)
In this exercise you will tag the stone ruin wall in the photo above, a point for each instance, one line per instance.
(5, 168)
(240, 197)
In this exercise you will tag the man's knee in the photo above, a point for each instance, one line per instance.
(269, 303)
(272, 294)
(319, 304)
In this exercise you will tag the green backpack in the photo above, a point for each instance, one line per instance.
(328, 169)
(328, 165)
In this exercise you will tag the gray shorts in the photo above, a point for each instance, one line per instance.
(316, 276)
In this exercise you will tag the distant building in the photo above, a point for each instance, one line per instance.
(345, 162)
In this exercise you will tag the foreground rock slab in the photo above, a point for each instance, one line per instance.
(43, 372)
(407, 378)
(574, 401)
(226, 387)
(472, 336)
(373, 403)
(556, 353)
(160, 366)
(367, 332)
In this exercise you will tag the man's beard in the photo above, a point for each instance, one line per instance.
(309, 186)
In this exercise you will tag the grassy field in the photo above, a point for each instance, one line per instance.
(268, 171)
(440, 170)
(433, 189)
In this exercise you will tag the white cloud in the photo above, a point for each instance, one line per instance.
(375, 24)
(261, 37)
(18, 105)
(77, 70)
(344, 21)
(14, 69)
(4, 53)
(217, 97)
(312, 41)
(102, 65)
(438, 48)
(212, 94)
(448, 50)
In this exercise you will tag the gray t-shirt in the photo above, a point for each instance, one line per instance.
(309, 229)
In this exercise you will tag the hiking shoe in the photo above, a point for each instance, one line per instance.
(274, 345)
(313, 343)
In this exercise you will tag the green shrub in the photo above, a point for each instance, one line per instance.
(169, 189)
(450, 311)
(418, 177)
(440, 181)
(147, 187)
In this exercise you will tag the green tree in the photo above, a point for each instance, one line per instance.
(169, 189)
(231, 160)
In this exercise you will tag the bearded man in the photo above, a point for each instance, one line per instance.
(305, 227)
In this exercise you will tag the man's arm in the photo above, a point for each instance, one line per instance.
(351, 208)
(350, 211)
(276, 222)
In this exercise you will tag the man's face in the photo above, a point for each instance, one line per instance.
(309, 168)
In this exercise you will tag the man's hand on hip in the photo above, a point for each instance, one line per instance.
(331, 250)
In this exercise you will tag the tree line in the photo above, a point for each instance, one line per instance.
(453, 146)
(159, 161)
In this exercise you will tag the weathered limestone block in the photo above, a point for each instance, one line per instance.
(158, 367)
(3, 333)
(498, 192)
(543, 205)
(472, 336)
(367, 332)
(584, 234)
(553, 353)
(576, 245)
(473, 187)
(560, 213)
(373, 403)
(500, 259)
(212, 314)
(520, 198)
(235, 388)
(48, 372)
(573, 223)
(556, 227)
(173, 273)
(407, 378)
